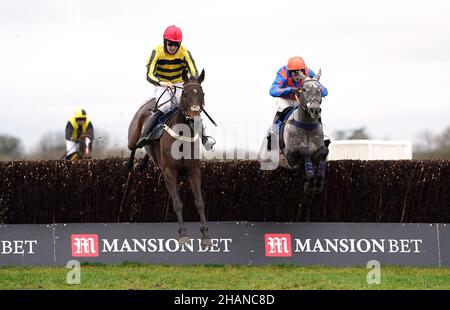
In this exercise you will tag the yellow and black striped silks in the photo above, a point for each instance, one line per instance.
(162, 66)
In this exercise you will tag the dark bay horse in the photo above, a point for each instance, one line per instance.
(81, 150)
(85, 147)
(174, 152)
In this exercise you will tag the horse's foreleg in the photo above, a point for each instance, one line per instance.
(305, 155)
(321, 155)
(143, 164)
(309, 171)
(309, 168)
(170, 178)
(195, 181)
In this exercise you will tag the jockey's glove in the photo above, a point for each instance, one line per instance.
(294, 91)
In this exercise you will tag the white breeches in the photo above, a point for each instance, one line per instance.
(284, 103)
(71, 147)
(170, 104)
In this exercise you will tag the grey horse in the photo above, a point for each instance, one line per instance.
(303, 136)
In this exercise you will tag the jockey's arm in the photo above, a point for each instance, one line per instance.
(69, 131)
(324, 89)
(151, 65)
(191, 63)
(279, 87)
(90, 131)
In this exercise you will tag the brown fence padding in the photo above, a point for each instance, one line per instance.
(355, 191)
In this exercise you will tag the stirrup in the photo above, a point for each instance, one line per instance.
(269, 141)
(208, 142)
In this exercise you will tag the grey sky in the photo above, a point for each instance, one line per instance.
(386, 64)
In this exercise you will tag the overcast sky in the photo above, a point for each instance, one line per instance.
(386, 64)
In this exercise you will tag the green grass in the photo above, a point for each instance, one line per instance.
(137, 276)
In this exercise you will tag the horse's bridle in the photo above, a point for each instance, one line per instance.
(305, 105)
(194, 108)
(185, 115)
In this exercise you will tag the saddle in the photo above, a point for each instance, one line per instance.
(157, 131)
(282, 122)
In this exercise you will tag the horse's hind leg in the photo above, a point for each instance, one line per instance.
(130, 162)
(195, 182)
(170, 178)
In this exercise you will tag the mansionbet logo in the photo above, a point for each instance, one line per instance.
(84, 245)
(89, 245)
(278, 245)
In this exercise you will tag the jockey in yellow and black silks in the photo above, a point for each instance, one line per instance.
(78, 125)
(164, 70)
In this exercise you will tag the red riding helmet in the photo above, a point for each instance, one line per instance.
(296, 63)
(173, 33)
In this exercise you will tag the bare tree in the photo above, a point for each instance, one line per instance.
(425, 141)
(10, 147)
(351, 134)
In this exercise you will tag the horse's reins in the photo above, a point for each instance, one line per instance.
(170, 99)
(202, 109)
(302, 104)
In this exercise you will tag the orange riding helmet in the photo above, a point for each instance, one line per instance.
(296, 63)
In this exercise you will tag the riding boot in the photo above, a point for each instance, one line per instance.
(148, 127)
(327, 141)
(72, 156)
(270, 134)
(208, 141)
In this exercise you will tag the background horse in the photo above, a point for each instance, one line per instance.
(163, 151)
(81, 150)
(303, 135)
(85, 147)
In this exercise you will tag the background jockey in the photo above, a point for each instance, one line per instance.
(78, 125)
(287, 83)
(164, 70)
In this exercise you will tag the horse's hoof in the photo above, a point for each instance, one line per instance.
(308, 189)
(127, 165)
(184, 240)
(206, 243)
(318, 187)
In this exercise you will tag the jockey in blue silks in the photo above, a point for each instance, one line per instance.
(287, 84)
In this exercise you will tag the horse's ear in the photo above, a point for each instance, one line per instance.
(319, 74)
(201, 77)
(184, 75)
